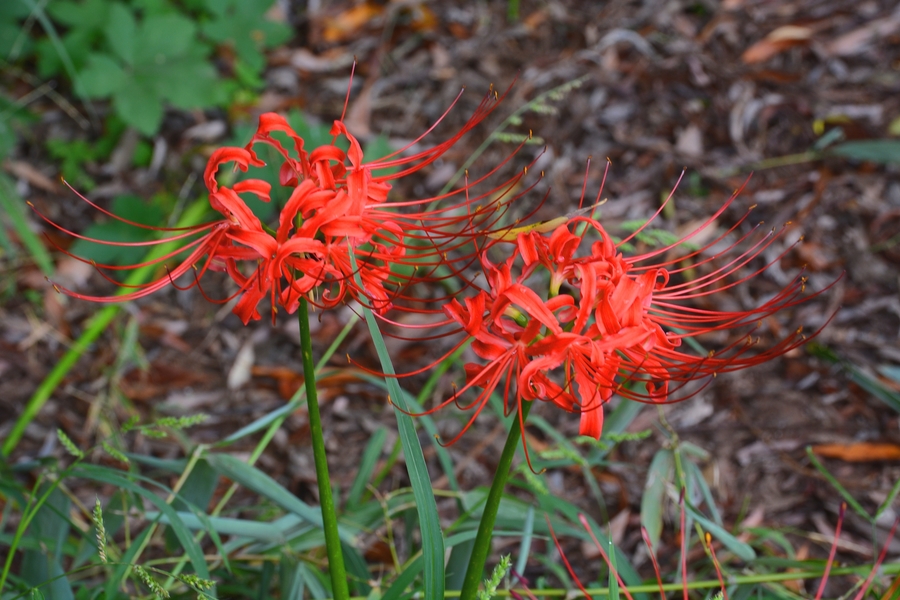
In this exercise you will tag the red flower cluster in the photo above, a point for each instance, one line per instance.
(337, 234)
(605, 323)
(602, 323)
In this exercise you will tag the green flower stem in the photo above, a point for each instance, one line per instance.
(329, 516)
(482, 547)
(264, 443)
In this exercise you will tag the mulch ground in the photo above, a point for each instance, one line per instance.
(720, 89)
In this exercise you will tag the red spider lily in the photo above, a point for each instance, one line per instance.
(337, 234)
(610, 324)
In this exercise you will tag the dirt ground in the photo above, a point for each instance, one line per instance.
(720, 89)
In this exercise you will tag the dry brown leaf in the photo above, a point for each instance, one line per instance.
(796, 585)
(360, 111)
(347, 24)
(422, 18)
(862, 38)
(379, 552)
(162, 378)
(816, 256)
(459, 31)
(304, 60)
(535, 20)
(287, 380)
(860, 452)
(29, 173)
(779, 40)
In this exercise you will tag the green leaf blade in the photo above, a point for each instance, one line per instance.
(162, 37)
(661, 470)
(121, 30)
(101, 76)
(139, 106)
(881, 151)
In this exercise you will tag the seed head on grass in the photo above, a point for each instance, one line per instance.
(493, 582)
(150, 582)
(69, 445)
(97, 518)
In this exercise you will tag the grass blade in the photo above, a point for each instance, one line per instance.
(742, 550)
(367, 465)
(41, 567)
(253, 479)
(255, 530)
(191, 548)
(12, 206)
(847, 496)
(403, 581)
(525, 545)
(426, 507)
(661, 470)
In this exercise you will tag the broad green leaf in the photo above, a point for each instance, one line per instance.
(162, 37)
(50, 29)
(76, 43)
(13, 10)
(159, 7)
(314, 134)
(244, 26)
(120, 30)
(87, 15)
(140, 107)
(188, 83)
(101, 76)
(883, 151)
(219, 8)
(10, 32)
(659, 474)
